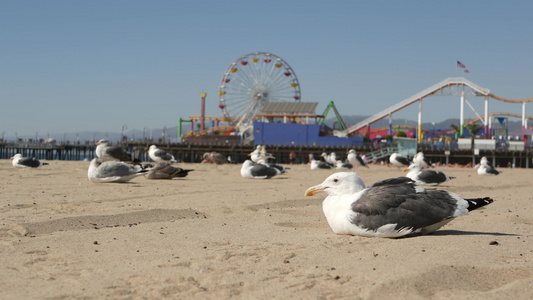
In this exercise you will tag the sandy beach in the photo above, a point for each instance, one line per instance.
(216, 235)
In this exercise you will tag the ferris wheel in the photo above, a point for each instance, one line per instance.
(253, 80)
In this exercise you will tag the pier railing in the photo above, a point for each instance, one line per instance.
(238, 153)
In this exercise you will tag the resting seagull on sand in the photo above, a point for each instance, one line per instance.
(107, 152)
(159, 155)
(390, 208)
(26, 162)
(343, 165)
(214, 158)
(426, 177)
(165, 170)
(486, 168)
(399, 160)
(318, 165)
(112, 171)
(330, 159)
(249, 169)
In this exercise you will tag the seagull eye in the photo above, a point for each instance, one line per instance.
(335, 180)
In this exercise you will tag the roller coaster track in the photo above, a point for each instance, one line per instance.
(499, 114)
(510, 100)
(447, 87)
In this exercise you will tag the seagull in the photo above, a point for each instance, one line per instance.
(159, 155)
(331, 158)
(399, 160)
(343, 165)
(355, 159)
(215, 158)
(26, 162)
(426, 177)
(112, 171)
(107, 152)
(390, 208)
(270, 162)
(249, 169)
(165, 170)
(260, 154)
(421, 160)
(318, 164)
(486, 168)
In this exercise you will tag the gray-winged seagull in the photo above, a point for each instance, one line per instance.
(249, 169)
(390, 208)
(356, 160)
(159, 155)
(165, 170)
(426, 177)
(107, 152)
(399, 160)
(20, 161)
(112, 171)
(318, 165)
(486, 168)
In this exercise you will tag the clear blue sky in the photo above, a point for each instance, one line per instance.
(72, 66)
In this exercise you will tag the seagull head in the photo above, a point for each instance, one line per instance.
(16, 156)
(103, 142)
(413, 167)
(340, 183)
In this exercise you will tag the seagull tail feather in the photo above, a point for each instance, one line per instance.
(476, 203)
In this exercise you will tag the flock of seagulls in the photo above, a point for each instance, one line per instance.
(391, 208)
(261, 165)
(330, 161)
(115, 165)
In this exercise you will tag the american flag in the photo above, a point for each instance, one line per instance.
(460, 65)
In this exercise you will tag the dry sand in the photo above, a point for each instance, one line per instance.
(216, 235)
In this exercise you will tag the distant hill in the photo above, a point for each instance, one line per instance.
(171, 133)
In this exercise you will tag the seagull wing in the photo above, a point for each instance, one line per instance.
(118, 153)
(402, 204)
(29, 162)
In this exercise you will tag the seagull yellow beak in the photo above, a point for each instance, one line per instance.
(315, 190)
(406, 170)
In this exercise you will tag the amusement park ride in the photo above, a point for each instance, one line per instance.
(260, 101)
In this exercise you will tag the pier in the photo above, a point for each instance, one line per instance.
(192, 153)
